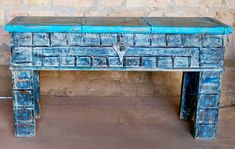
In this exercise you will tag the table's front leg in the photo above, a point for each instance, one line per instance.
(207, 105)
(200, 101)
(25, 102)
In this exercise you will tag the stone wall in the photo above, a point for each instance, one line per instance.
(117, 83)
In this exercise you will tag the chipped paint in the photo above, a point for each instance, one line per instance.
(200, 56)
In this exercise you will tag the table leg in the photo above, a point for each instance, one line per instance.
(188, 95)
(25, 102)
(200, 101)
(207, 105)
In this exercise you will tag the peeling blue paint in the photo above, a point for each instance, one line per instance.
(146, 25)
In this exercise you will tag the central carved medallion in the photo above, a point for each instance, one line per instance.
(121, 49)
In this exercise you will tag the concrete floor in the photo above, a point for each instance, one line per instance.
(113, 123)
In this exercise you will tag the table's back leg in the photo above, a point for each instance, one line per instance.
(207, 105)
(36, 93)
(188, 95)
(24, 103)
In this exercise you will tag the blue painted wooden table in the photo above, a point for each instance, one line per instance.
(194, 46)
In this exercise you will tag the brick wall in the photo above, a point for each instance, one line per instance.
(117, 83)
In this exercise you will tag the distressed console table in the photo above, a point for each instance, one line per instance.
(194, 46)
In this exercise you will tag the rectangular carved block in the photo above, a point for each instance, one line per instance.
(94, 51)
(210, 77)
(25, 129)
(23, 114)
(108, 39)
(127, 39)
(22, 75)
(209, 88)
(22, 98)
(210, 83)
(207, 116)
(67, 61)
(212, 57)
(75, 39)
(22, 80)
(37, 61)
(174, 40)
(191, 40)
(99, 62)
(149, 61)
(91, 39)
(58, 39)
(21, 39)
(21, 55)
(142, 39)
(181, 62)
(158, 40)
(54, 51)
(22, 84)
(165, 62)
(132, 61)
(83, 61)
(115, 62)
(205, 131)
(51, 61)
(41, 39)
(208, 101)
(212, 41)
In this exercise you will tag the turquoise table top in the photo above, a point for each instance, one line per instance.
(164, 25)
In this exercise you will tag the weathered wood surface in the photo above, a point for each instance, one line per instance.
(192, 45)
(200, 102)
(26, 101)
(117, 51)
(179, 25)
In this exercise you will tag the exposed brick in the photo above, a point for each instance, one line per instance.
(41, 39)
(37, 2)
(14, 12)
(99, 62)
(42, 13)
(58, 39)
(127, 12)
(132, 62)
(74, 3)
(147, 3)
(22, 98)
(230, 4)
(198, 3)
(23, 114)
(110, 3)
(225, 16)
(174, 40)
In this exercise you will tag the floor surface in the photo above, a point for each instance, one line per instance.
(113, 123)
